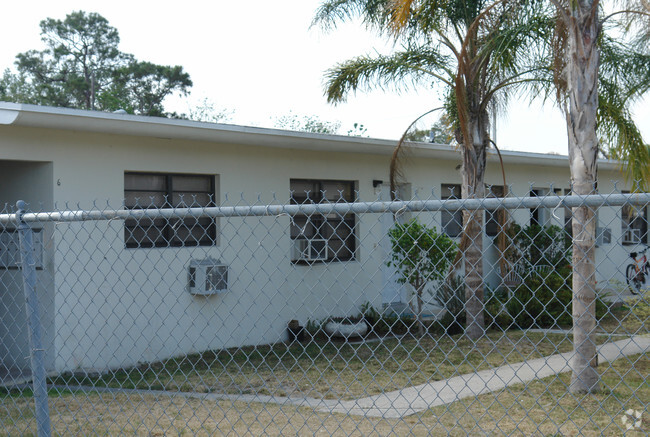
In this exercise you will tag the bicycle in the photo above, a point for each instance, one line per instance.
(636, 272)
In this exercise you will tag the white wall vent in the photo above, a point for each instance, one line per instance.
(314, 249)
(207, 277)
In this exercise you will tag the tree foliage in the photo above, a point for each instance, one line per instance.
(306, 123)
(207, 111)
(358, 130)
(536, 245)
(420, 255)
(82, 67)
(623, 79)
(441, 132)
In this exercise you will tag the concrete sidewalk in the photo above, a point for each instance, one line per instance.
(418, 398)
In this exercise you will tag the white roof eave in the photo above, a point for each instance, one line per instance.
(16, 114)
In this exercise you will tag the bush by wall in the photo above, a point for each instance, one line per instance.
(543, 300)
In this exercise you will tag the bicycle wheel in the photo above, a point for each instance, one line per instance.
(633, 279)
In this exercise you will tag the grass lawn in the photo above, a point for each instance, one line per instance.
(540, 408)
(340, 370)
(631, 319)
(331, 370)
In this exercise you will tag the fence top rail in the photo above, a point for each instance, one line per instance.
(396, 207)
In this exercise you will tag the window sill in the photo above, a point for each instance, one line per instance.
(321, 262)
(631, 243)
(171, 246)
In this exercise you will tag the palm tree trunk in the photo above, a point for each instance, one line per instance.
(582, 87)
(473, 172)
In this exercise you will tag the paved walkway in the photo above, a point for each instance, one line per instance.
(418, 398)
(411, 400)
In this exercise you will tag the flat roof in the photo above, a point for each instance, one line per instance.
(18, 114)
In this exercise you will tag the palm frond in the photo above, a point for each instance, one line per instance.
(621, 136)
(422, 17)
(634, 19)
(399, 70)
(374, 13)
(517, 54)
(523, 42)
(401, 15)
(628, 68)
(396, 173)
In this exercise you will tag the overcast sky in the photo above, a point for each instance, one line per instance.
(260, 59)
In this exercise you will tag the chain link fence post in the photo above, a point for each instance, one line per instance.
(37, 352)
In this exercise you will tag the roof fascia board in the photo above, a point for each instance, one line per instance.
(16, 114)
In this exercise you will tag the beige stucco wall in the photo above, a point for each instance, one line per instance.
(116, 307)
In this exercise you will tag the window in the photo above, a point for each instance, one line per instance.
(537, 215)
(452, 221)
(494, 219)
(322, 237)
(634, 224)
(156, 191)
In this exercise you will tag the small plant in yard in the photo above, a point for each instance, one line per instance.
(451, 296)
(375, 319)
(313, 328)
(641, 306)
(543, 300)
(420, 255)
(382, 322)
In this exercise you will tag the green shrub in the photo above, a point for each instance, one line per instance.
(419, 255)
(496, 312)
(537, 245)
(543, 300)
(382, 323)
(451, 296)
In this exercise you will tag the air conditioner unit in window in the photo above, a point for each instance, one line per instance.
(632, 235)
(207, 277)
(309, 250)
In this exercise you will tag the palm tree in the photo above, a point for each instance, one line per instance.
(478, 50)
(598, 119)
(581, 47)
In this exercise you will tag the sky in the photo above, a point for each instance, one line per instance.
(259, 60)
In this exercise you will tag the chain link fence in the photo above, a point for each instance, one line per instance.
(325, 315)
